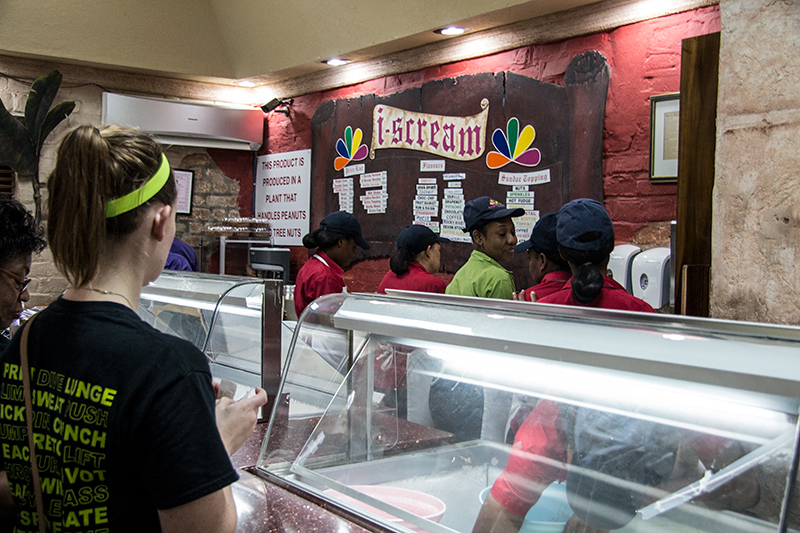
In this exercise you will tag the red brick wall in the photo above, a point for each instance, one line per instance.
(644, 60)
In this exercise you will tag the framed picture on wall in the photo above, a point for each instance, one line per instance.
(665, 111)
(183, 180)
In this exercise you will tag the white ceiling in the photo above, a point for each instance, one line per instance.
(223, 40)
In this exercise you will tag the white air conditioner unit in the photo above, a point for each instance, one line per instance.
(171, 122)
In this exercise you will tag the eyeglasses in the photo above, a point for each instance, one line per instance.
(22, 283)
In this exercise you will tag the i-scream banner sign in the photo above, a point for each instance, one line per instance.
(418, 155)
(459, 138)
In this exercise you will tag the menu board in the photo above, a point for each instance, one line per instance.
(417, 156)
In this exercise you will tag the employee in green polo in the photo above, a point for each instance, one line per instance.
(455, 406)
(493, 239)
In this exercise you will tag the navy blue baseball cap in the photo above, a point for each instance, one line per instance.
(543, 236)
(584, 224)
(344, 223)
(416, 238)
(485, 208)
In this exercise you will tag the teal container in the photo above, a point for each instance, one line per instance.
(549, 515)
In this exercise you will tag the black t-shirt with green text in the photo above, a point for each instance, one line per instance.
(123, 419)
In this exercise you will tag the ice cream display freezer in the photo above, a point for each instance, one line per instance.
(652, 422)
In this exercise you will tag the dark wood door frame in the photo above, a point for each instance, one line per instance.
(696, 170)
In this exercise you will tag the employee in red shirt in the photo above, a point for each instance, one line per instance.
(539, 457)
(548, 269)
(335, 240)
(629, 448)
(586, 239)
(418, 257)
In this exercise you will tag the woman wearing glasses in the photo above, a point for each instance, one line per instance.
(19, 239)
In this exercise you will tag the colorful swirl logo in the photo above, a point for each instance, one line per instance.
(513, 146)
(350, 148)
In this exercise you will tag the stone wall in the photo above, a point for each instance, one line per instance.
(755, 269)
(214, 198)
(48, 282)
(218, 193)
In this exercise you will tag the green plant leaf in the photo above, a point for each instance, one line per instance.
(40, 98)
(16, 149)
(53, 119)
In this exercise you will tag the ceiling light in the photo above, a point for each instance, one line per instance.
(451, 30)
(245, 83)
(336, 62)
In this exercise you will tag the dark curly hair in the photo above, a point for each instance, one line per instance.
(19, 235)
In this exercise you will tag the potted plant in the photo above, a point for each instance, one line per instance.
(21, 142)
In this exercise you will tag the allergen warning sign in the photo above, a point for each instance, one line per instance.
(283, 192)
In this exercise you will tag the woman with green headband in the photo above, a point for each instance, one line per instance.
(127, 432)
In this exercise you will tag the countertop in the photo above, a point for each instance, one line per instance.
(266, 506)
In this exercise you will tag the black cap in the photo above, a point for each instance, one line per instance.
(344, 223)
(484, 208)
(543, 236)
(614, 460)
(416, 238)
(580, 217)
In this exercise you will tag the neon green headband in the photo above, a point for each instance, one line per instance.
(134, 199)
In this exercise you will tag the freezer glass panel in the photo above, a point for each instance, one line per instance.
(448, 414)
(218, 314)
(235, 336)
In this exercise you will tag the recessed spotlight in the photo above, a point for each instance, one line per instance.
(245, 83)
(451, 30)
(336, 62)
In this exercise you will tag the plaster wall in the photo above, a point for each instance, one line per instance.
(644, 57)
(755, 269)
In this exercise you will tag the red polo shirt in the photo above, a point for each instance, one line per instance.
(416, 279)
(538, 458)
(318, 277)
(612, 296)
(539, 455)
(551, 282)
(390, 362)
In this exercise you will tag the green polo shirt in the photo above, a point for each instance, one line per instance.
(484, 277)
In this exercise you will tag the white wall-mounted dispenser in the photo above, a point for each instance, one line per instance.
(650, 276)
(620, 262)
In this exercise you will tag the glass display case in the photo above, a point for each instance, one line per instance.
(234, 320)
(421, 412)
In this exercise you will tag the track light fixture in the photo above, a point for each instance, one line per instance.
(273, 105)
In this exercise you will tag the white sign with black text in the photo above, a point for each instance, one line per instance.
(283, 193)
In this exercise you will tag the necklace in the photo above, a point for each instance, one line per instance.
(107, 293)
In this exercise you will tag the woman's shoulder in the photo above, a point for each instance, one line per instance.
(116, 328)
